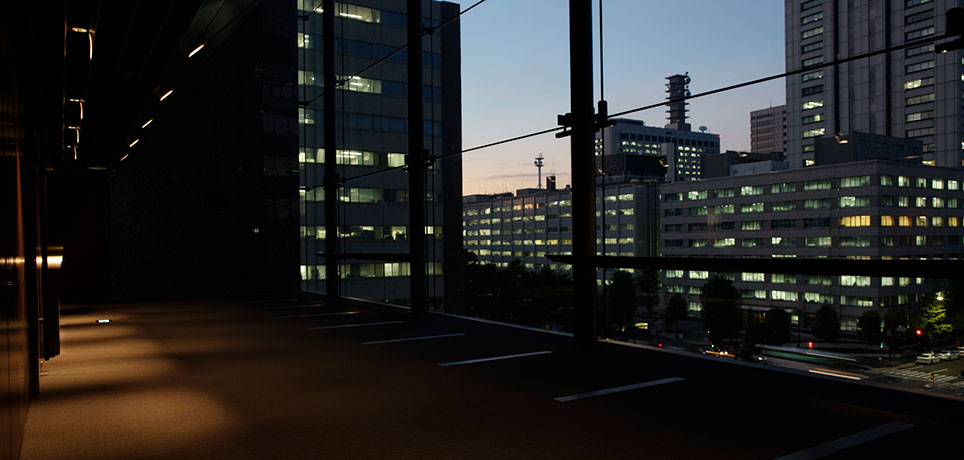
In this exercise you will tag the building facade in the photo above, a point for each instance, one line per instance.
(768, 130)
(913, 92)
(682, 150)
(864, 210)
(527, 227)
(371, 135)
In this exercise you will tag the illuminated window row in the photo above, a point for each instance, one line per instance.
(353, 157)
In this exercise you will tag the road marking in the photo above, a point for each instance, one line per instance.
(427, 337)
(354, 325)
(321, 314)
(618, 389)
(286, 307)
(494, 358)
(846, 442)
(833, 373)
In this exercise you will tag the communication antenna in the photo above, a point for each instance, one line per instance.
(703, 129)
(538, 163)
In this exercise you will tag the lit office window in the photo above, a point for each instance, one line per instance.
(699, 274)
(751, 190)
(753, 277)
(855, 221)
(751, 207)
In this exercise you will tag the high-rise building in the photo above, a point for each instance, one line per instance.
(371, 135)
(768, 130)
(913, 92)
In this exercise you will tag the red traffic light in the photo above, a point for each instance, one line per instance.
(810, 345)
(918, 332)
(659, 345)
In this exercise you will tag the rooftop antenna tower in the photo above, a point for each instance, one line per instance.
(677, 88)
(538, 163)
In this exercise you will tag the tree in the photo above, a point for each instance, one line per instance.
(931, 316)
(826, 325)
(776, 327)
(869, 324)
(675, 310)
(647, 282)
(621, 301)
(721, 309)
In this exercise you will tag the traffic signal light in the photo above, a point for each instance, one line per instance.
(810, 345)
(919, 332)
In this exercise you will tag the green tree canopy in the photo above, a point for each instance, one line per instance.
(721, 309)
(826, 325)
(931, 317)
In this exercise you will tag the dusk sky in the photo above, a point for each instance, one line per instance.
(515, 77)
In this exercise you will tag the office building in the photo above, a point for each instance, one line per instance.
(680, 150)
(913, 92)
(734, 163)
(371, 135)
(874, 209)
(768, 130)
(528, 226)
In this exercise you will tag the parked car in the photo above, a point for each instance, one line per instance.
(947, 355)
(928, 358)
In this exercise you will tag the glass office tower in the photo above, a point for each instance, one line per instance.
(371, 138)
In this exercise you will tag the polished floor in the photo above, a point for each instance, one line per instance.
(303, 379)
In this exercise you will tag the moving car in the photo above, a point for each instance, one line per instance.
(717, 351)
(947, 355)
(928, 358)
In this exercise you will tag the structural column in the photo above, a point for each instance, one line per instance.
(582, 171)
(416, 159)
(331, 159)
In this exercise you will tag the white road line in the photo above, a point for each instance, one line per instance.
(354, 325)
(845, 442)
(427, 337)
(287, 307)
(494, 358)
(618, 389)
(310, 315)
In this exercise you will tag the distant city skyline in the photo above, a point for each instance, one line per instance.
(515, 77)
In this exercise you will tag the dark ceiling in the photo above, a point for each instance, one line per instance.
(102, 66)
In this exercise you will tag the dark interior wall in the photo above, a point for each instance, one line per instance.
(14, 394)
(21, 166)
(206, 203)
